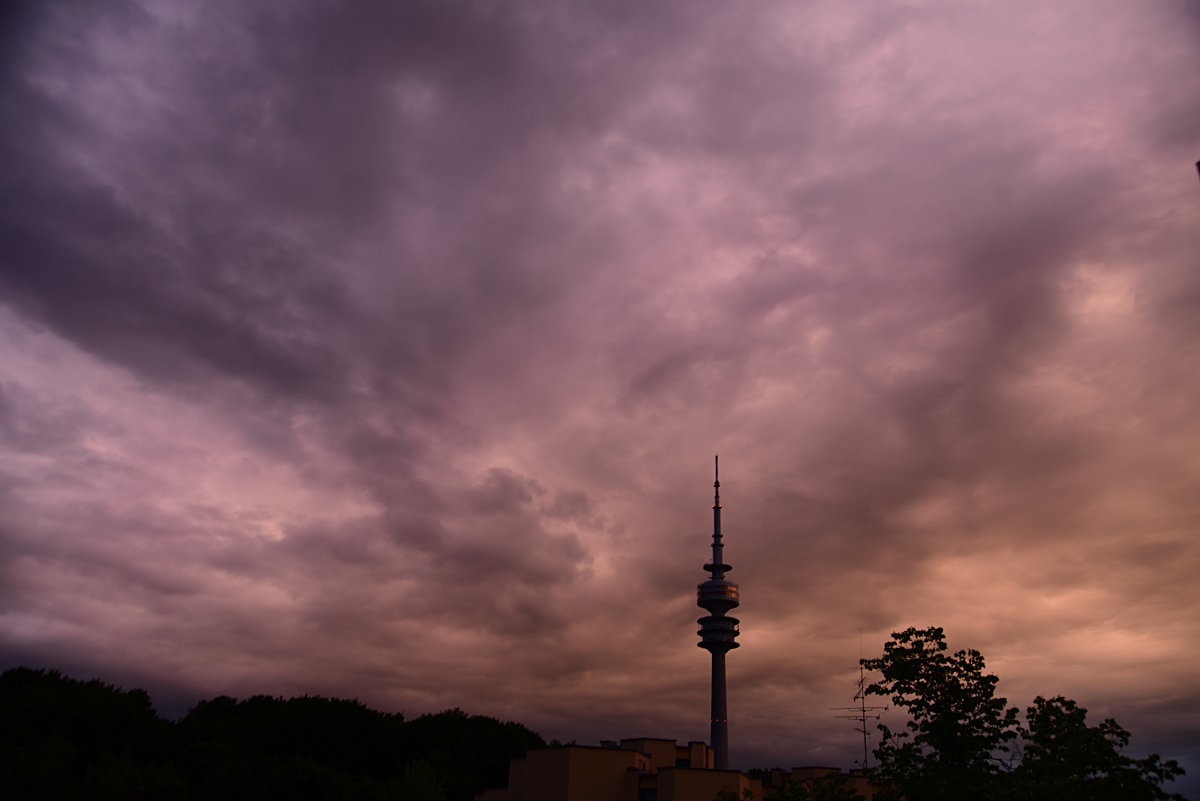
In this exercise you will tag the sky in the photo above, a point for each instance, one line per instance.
(381, 350)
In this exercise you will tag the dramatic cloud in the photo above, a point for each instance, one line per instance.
(381, 351)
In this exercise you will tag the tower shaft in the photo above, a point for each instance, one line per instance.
(718, 727)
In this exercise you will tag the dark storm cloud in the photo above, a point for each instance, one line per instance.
(240, 146)
(382, 351)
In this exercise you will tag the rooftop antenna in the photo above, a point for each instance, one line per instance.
(861, 712)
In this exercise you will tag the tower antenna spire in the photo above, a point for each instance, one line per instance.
(718, 631)
(716, 479)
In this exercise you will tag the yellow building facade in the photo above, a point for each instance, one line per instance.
(634, 769)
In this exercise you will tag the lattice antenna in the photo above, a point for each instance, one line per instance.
(861, 712)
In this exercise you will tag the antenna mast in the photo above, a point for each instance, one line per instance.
(861, 712)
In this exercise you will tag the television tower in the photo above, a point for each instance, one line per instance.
(718, 631)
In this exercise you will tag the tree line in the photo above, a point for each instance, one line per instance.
(63, 739)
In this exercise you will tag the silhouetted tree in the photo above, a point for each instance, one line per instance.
(1066, 759)
(467, 752)
(959, 739)
(958, 730)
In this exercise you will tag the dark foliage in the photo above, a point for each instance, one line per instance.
(468, 752)
(833, 787)
(66, 739)
(962, 742)
(295, 748)
(1066, 759)
(958, 730)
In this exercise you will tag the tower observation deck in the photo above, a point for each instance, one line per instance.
(718, 631)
